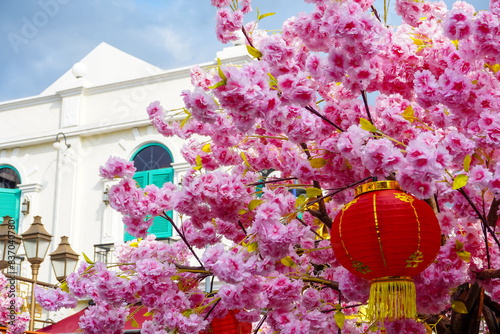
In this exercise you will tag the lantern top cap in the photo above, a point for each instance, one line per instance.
(374, 186)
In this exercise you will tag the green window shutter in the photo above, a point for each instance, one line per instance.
(142, 180)
(9, 204)
(161, 227)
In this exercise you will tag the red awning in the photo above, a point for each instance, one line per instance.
(69, 325)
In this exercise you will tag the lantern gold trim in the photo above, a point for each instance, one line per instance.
(374, 186)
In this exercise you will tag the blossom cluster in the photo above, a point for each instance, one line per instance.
(276, 146)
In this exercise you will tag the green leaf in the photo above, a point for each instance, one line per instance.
(366, 125)
(254, 52)
(409, 114)
(219, 70)
(467, 161)
(460, 181)
(87, 259)
(254, 203)
(134, 323)
(340, 319)
(459, 307)
(264, 15)
(313, 192)
(317, 162)
(287, 261)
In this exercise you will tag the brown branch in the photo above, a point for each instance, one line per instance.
(260, 324)
(310, 227)
(165, 216)
(315, 112)
(365, 101)
(271, 181)
(376, 14)
(481, 217)
(491, 320)
(492, 217)
(488, 273)
(492, 305)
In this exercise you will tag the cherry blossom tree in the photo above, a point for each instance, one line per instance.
(302, 110)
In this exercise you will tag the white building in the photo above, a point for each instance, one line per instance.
(100, 107)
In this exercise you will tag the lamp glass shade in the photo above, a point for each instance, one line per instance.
(4, 251)
(59, 267)
(36, 248)
(10, 249)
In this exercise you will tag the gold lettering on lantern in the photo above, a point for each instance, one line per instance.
(415, 259)
(361, 267)
(404, 197)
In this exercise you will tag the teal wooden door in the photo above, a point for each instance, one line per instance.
(9, 204)
(161, 227)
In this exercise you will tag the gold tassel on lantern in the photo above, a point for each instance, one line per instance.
(392, 298)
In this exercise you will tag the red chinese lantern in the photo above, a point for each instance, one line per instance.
(386, 236)
(228, 325)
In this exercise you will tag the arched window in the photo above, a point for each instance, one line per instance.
(10, 195)
(153, 162)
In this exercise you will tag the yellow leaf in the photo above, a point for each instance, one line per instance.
(197, 167)
(349, 166)
(244, 157)
(287, 261)
(317, 162)
(464, 255)
(265, 15)
(206, 148)
(242, 212)
(313, 192)
(134, 323)
(460, 181)
(254, 203)
(198, 160)
(186, 111)
(300, 200)
(478, 157)
(474, 82)
(220, 83)
(459, 307)
(495, 68)
(64, 287)
(409, 114)
(455, 42)
(251, 247)
(428, 328)
(339, 319)
(366, 125)
(219, 70)
(254, 52)
(87, 259)
(148, 314)
(185, 120)
(467, 161)
(134, 244)
(417, 41)
(458, 245)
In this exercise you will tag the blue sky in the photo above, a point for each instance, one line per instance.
(41, 39)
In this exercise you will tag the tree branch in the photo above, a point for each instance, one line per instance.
(492, 217)
(315, 112)
(165, 216)
(488, 273)
(365, 101)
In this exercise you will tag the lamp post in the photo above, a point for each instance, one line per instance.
(9, 241)
(36, 242)
(64, 259)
